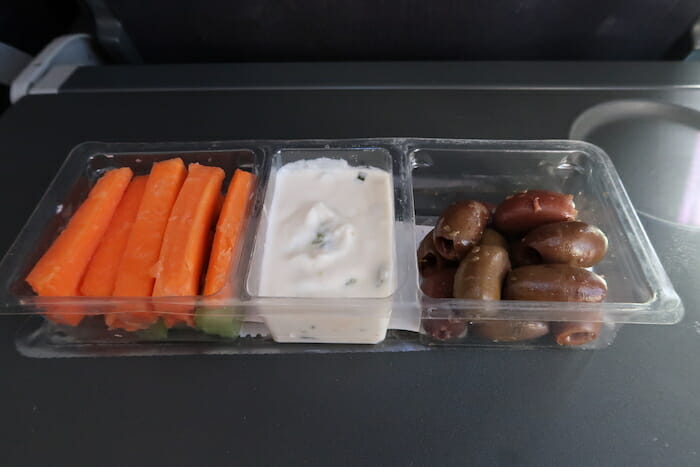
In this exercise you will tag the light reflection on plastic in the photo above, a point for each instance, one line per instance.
(690, 207)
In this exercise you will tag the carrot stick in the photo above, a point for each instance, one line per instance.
(184, 249)
(135, 276)
(229, 228)
(215, 319)
(102, 271)
(58, 273)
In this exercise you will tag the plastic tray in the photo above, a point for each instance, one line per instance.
(428, 175)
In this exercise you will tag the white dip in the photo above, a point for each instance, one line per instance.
(330, 233)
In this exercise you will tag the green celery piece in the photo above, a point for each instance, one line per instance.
(155, 332)
(218, 322)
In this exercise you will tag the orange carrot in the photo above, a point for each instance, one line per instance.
(135, 272)
(102, 270)
(229, 229)
(184, 249)
(58, 273)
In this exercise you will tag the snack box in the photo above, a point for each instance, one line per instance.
(424, 176)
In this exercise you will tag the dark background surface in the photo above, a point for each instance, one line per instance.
(221, 31)
(634, 403)
(270, 30)
(29, 25)
(192, 31)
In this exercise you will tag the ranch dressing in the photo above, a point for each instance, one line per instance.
(329, 232)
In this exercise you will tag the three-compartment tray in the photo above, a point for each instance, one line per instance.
(427, 174)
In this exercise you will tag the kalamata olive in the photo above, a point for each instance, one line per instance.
(428, 257)
(438, 283)
(445, 329)
(521, 255)
(573, 243)
(554, 282)
(570, 333)
(529, 209)
(493, 238)
(510, 331)
(480, 274)
(460, 228)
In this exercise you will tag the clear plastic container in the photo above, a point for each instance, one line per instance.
(85, 164)
(427, 173)
(638, 289)
(335, 320)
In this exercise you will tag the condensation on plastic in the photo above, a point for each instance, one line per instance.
(428, 175)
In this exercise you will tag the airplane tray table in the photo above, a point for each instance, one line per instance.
(634, 403)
